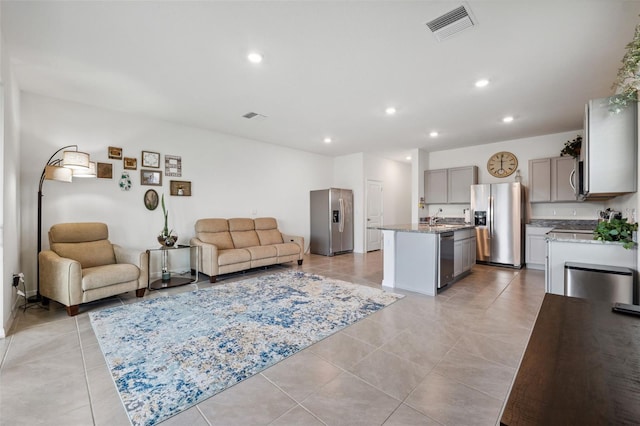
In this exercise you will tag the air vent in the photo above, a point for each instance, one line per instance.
(254, 116)
(450, 23)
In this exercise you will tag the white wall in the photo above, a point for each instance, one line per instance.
(396, 183)
(525, 149)
(10, 213)
(347, 173)
(231, 176)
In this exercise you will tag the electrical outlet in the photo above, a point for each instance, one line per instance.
(16, 280)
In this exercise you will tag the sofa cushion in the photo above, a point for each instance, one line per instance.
(265, 223)
(242, 233)
(214, 231)
(229, 257)
(102, 276)
(270, 236)
(89, 254)
(287, 249)
(262, 252)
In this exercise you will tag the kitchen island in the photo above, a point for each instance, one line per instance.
(412, 255)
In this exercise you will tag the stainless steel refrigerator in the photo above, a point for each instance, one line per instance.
(331, 221)
(497, 210)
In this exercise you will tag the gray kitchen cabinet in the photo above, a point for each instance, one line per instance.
(435, 186)
(449, 186)
(459, 184)
(549, 180)
(464, 251)
(536, 246)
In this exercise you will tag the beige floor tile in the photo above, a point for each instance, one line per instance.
(297, 416)
(505, 353)
(452, 403)
(254, 401)
(342, 350)
(190, 417)
(395, 376)
(301, 374)
(372, 332)
(407, 416)
(347, 400)
(105, 401)
(478, 373)
(419, 349)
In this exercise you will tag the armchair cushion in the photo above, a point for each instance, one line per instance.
(106, 275)
(89, 254)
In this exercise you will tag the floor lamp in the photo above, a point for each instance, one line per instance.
(72, 164)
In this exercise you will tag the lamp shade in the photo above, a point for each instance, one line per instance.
(61, 174)
(75, 160)
(86, 173)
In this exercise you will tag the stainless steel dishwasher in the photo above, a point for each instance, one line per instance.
(446, 259)
(599, 282)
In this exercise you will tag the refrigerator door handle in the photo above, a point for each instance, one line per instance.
(341, 226)
(571, 179)
(490, 218)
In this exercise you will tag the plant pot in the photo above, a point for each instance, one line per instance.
(167, 240)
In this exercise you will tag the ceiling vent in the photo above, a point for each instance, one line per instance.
(255, 116)
(450, 23)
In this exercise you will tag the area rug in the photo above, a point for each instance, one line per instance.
(168, 353)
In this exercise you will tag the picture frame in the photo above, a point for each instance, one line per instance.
(151, 159)
(151, 199)
(181, 188)
(150, 177)
(130, 163)
(115, 152)
(172, 165)
(104, 170)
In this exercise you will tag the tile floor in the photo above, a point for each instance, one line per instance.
(448, 360)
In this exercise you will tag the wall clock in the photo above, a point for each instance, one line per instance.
(502, 164)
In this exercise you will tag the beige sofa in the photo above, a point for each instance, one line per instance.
(82, 266)
(232, 245)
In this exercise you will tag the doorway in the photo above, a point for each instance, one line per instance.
(374, 215)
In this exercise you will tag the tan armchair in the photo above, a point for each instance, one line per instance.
(82, 266)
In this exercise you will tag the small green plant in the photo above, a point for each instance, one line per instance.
(573, 147)
(616, 230)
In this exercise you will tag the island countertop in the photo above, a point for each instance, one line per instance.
(423, 228)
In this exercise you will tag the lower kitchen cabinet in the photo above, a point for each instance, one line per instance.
(464, 251)
(536, 246)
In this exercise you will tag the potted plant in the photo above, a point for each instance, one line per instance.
(166, 238)
(572, 148)
(616, 230)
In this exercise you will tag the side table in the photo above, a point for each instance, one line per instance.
(171, 266)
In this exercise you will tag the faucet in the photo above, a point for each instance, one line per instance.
(433, 219)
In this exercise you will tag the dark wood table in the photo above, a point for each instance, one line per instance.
(581, 367)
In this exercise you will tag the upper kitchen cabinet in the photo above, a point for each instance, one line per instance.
(449, 186)
(608, 158)
(551, 180)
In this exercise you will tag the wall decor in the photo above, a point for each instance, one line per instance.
(115, 152)
(125, 181)
(180, 188)
(105, 170)
(150, 177)
(172, 165)
(151, 159)
(151, 199)
(130, 163)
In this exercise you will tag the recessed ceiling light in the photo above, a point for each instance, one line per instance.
(327, 140)
(390, 111)
(254, 57)
(408, 157)
(507, 119)
(433, 134)
(482, 82)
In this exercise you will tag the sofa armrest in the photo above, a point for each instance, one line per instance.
(295, 239)
(208, 262)
(60, 278)
(134, 257)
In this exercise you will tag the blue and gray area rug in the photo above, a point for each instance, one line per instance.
(169, 353)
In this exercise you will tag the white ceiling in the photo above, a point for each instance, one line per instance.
(330, 67)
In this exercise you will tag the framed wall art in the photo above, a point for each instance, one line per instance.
(104, 170)
(150, 177)
(151, 159)
(130, 163)
(180, 188)
(115, 152)
(172, 165)
(151, 199)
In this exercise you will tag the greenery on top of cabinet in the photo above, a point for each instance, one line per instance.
(616, 230)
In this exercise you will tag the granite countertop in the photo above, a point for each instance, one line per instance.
(588, 225)
(578, 237)
(424, 228)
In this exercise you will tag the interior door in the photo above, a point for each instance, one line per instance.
(374, 214)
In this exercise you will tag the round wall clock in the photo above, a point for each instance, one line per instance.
(502, 164)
